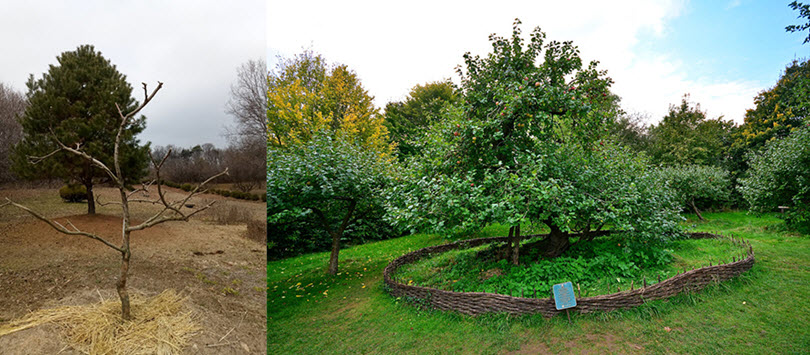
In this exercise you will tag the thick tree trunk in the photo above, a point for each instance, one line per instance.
(516, 246)
(121, 286)
(692, 202)
(557, 242)
(333, 258)
(91, 201)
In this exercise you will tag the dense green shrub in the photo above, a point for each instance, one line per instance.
(779, 175)
(697, 186)
(73, 193)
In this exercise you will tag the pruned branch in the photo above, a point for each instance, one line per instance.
(60, 228)
(175, 206)
(144, 188)
(98, 201)
(125, 119)
(82, 154)
(159, 218)
(36, 160)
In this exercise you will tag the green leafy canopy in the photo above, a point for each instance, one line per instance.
(525, 145)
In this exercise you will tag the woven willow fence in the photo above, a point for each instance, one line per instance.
(474, 303)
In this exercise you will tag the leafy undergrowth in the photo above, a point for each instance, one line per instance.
(603, 266)
(765, 309)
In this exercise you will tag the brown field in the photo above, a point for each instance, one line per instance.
(209, 259)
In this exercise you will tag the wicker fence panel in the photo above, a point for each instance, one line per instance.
(474, 303)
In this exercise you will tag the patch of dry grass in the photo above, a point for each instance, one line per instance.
(256, 230)
(227, 214)
(161, 325)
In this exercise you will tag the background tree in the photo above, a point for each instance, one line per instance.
(697, 185)
(171, 211)
(408, 120)
(779, 109)
(248, 102)
(778, 112)
(12, 106)
(76, 101)
(246, 166)
(779, 175)
(515, 151)
(245, 156)
(804, 12)
(332, 181)
(306, 96)
(686, 136)
(630, 131)
(292, 95)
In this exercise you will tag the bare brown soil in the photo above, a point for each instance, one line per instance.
(222, 273)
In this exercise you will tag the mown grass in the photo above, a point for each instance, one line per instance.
(763, 310)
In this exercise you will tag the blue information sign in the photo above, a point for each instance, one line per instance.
(564, 296)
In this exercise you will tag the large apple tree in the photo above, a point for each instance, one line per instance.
(525, 146)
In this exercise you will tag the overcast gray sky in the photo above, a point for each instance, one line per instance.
(194, 47)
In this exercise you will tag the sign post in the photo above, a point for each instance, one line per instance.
(564, 297)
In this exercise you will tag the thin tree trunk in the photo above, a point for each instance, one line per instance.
(121, 286)
(333, 258)
(692, 202)
(516, 246)
(509, 243)
(91, 200)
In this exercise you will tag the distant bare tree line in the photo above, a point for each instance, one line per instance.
(12, 104)
(246, 167)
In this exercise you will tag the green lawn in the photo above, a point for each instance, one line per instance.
(764, 310)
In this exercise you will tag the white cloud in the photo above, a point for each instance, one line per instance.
(732, 4)
(394, 46)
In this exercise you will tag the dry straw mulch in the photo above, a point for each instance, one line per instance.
(161, 325)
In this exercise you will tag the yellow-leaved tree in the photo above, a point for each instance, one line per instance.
(305, 95)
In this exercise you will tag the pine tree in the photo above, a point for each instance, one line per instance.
(78, 100)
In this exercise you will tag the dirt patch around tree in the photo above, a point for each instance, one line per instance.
(222, 273)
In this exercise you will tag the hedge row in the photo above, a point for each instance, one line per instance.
(227, 193)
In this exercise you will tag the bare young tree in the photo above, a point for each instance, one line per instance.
(248, 102)
(12, 104)
(175, 210)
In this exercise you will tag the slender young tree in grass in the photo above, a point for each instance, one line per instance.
(306, 99)
(331, 181)
(172, 210)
